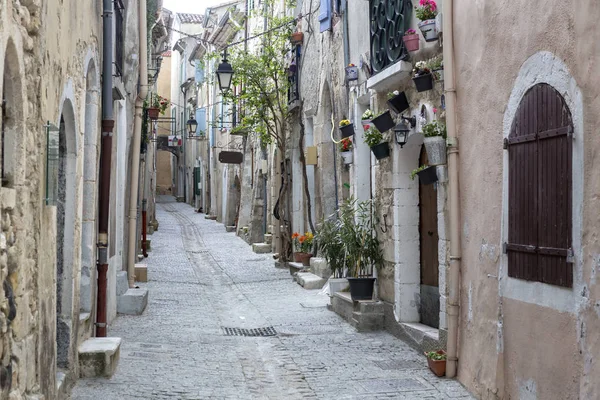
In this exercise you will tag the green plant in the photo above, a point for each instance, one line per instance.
(434, 128)
(434, 355)
(157, 101)
(415, 171)
(393, 94)
(344, 122)
(436, 62)
(428, 10)
(368, 114)
(330, 244)
(303, 243)
(373, 137)
(346, 144)
(421, 68)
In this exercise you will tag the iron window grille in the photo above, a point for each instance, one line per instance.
(389, 19)
(119, 37)
(293, 76)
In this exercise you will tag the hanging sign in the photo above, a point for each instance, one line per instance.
(231, 157)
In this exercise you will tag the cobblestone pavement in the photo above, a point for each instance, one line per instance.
(202, 279)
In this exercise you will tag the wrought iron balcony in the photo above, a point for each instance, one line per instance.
(389, 20)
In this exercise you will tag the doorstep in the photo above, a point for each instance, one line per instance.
(364, 315)
(419, 336)
(310, 281)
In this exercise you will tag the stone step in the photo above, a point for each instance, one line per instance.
(98, 357)
(364, 322)
(133, 301)
(268, 238)
(122, 283)
(295, 267)
(230, 228)
(319, 267)
(261, 248)
(141, 273)
(310, 281)
(211, 217)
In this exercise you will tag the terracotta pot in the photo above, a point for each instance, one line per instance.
(298, 256)
(438, 367)
(411, 42)
(153, 113)
(297, 37)
(305, 259)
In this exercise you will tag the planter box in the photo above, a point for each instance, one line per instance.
(384, 122)
(361, 288)
(438, 367)
(423, 82)
(399, 103)
(347, 130)
(347, 157)
(436, 150)
(411, 42)
(297, 37)
(337, 285)
(381, 150)
(153, 113)
(429, 30)
(428, 176)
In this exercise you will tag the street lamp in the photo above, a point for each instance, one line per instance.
(402, 130)
(224, 74)
(192, 124)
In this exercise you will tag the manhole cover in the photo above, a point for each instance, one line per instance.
(268, 331)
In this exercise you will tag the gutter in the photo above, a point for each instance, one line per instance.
(136, 142)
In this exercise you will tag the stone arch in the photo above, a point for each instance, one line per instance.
(66, 216)
(326, 189)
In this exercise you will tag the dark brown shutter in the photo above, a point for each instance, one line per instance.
(539, 189)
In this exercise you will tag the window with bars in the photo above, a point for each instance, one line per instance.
(119, 36)
(388, 22)
(539, 189)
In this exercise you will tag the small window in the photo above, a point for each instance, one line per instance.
(539, 189)
(119, 36)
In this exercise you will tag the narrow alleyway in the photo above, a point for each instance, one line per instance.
(203, 279)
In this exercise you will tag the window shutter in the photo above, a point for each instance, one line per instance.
(539, 189)
(201, 119)
(325, 15)
(199, 72)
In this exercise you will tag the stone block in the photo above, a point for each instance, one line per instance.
(310, 281)
(341, 304)
(261, 248)
(365, 322)
(230, 228)
(295, 267)
(141, 273)
(122, 283)
(210, 217)
(98, 357)
(319, 267)
(150, 229)
(133, 302)
(268, 238)
(148, 245)
(8, 198)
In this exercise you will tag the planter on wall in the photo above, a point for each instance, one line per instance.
(438, 367)
(423, 82)
(411, 42)
(153, 113)
(438, 75)
(361, 288)
(297, 37)
(436, 150)
(347, 130)
(384, 122)
(366, 123)
(381, 150)
(347, 157)
(429, 30)
(428, 176)
(399, 103)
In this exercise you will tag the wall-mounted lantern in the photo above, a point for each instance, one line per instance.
(402, 130)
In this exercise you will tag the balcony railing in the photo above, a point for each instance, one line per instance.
(389, 20)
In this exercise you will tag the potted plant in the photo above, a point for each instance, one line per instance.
(384, 121)
(330, 244)
(361, 246)
(351, 72)
(366, 119)
(297, 37)
(347, 128)
(398, 101)
(346, 146)
(374, 139)
(303, 246)
(427, 174)
(437, 362)
(157, 104)
(436, 65)
(422, 77)
(435, 142)
(426, 13)
(411, 40)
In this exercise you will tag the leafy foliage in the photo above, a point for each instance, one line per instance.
(373, 137)
(415, 171)
(330, 244)
(434, 128)
(434, 355)
(428, 10)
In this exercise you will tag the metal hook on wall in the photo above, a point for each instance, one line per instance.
(384, 224)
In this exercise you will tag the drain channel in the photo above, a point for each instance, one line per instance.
(268, 331)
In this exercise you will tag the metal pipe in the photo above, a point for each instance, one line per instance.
(108, 124)
(144, 222)
(454, 195)
(135, 143)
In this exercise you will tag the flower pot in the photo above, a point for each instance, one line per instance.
(436, 150)
(361, 288)
(298, 256)
(438, 75)
(305, 259)
(297, 37)
(153, 113)
(347, 157)
(438, 367)
(351, 73)
(428, 176)
(337, 285)
(366, 123)
(399, 103)
(429, 30)
(423, 82)
(384, 122)
(411, 42)
(347, 130)
(381, 150)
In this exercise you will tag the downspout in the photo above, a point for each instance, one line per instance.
(108, 124)
(135, 143)
(454, 195)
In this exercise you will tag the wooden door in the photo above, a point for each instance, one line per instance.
(428, 236)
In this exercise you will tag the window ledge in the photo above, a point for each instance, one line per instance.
(391, 77)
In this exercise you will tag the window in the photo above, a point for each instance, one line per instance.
(325, 15)
(539, 189)
(388, 22)
(119, 37)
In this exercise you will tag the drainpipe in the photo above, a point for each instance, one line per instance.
(108, 124)
(135, 143)
(454, 195)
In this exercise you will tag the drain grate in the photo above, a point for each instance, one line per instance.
(268, 331)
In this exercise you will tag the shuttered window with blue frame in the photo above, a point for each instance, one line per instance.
(325, 15)
(201, 119)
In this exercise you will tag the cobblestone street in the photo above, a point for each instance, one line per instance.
(202, 279)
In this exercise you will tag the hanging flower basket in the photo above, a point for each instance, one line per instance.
(347, 130)
(153, 113)
(411, 42)
(366, 123)
(297, 37)
(438, 75)
(381, 150)
(399, 103)
(347, 157)
(428, 176)
(384, 122)
(351, 72)
(436, 150)
(423, 82)
(429, 30)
